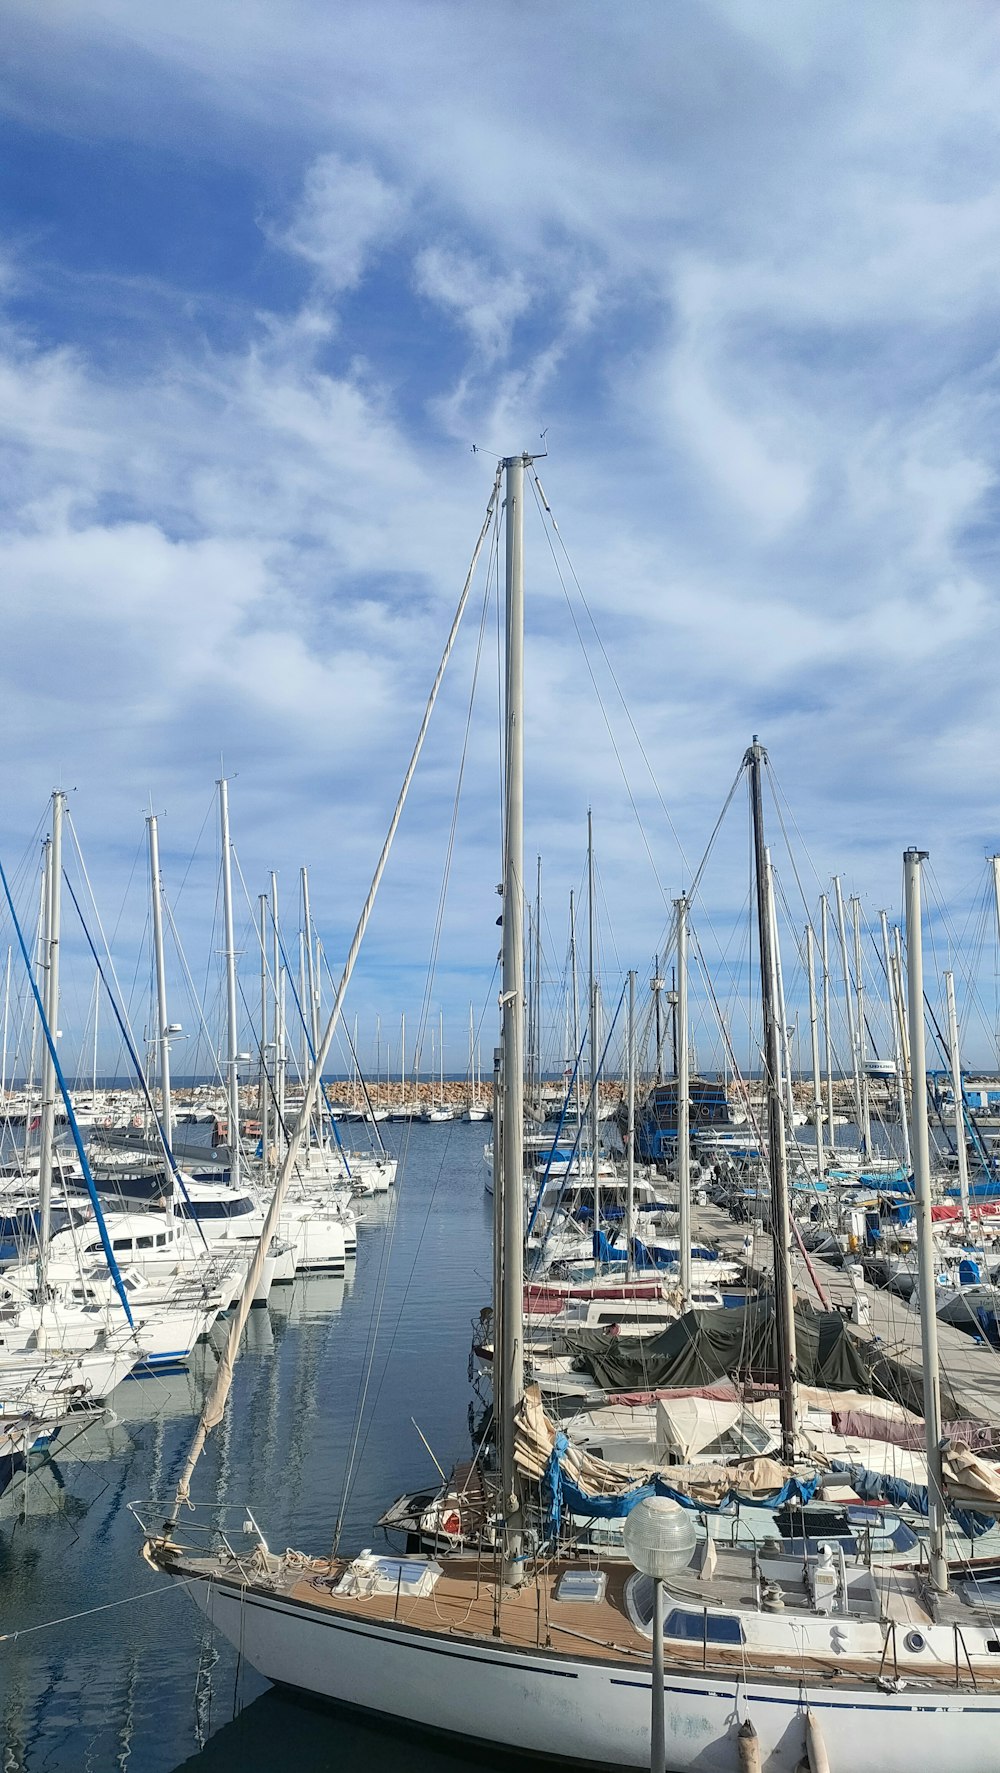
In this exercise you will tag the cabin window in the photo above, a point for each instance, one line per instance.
(143, 1243)
(697, 1628)
(122, 1243)
(691, 1625)
(161, 1239)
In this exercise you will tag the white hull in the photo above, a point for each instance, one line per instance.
(40, 1382)
(595, 1713)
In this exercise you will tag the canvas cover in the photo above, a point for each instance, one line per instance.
(703, 1346)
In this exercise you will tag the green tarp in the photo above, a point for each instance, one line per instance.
(703, 1346)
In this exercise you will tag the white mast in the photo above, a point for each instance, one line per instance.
(537, 983)
(511, 1370)
(592, 986)
(163, 1025)
(904, 1032)
(785, 1049)
(41, 969)
(866, 1119)
(48, 1119)
(578, 1083)
(97, 1019)
(849, 1004)
(6, 1023)
(265, 1105)
(232, 1026)
(683, 1102)
(630, 1139)
(814, 1044)
(402, 1058)
(278, 987)
(312, 1011)
(894, 986)
(956, 1087)
(938, 1570)
(824, 925)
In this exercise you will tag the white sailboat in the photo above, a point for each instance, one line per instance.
(769, 1659)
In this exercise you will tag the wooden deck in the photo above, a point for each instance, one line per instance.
(466, 1604)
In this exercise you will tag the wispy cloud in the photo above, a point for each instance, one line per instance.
(742, 270)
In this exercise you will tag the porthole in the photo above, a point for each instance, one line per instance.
(914, 1641)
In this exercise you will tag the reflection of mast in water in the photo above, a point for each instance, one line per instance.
(208, 1656)
(315, 1310)
(262, 1409)
(128, 1712)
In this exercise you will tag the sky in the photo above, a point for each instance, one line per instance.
(277, 287)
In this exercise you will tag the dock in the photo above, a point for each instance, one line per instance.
(970, 1370)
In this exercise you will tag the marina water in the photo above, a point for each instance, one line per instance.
(146, 1685)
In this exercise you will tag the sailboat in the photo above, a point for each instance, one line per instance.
(769, 1658)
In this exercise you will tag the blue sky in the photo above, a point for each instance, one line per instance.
(268, 273)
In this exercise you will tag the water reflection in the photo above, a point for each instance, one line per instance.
(146, 1686)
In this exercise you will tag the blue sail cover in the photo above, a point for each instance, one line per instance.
(561, 1493)
(875, 1486)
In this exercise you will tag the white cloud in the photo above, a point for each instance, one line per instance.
(744, 271)
(346, 212)
(487, 305)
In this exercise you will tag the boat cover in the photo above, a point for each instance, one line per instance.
(569, 1478)
(706, 1345)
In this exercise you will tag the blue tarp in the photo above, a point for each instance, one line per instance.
(875, 1486)
(562, 1494)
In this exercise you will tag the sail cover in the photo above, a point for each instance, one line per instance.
(706, 1345)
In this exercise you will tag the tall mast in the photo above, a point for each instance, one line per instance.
(576, 1009)
(232, 1026)
(48, 1119)
(537, 1017)
(312, 1012)
(783, 1046)
(814, 1045)
(265, 1104)
(511, 1374)
(592, 986)
(97, 1018)
(6, 1022)
(852, 1034)
(894, 987)
(278, 985)
(904, 1032)
(781, 1230)
(630, 1138)
(866, 1119)
(938, 1571)
(824, 926)
(656, 987)
(402, 1057)
(163, 1023)
(41, 968)
(683, 1101)
(956, 1089)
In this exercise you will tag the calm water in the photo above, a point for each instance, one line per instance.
(147, 1686)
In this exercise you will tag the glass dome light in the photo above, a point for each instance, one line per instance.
(659, 1536)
